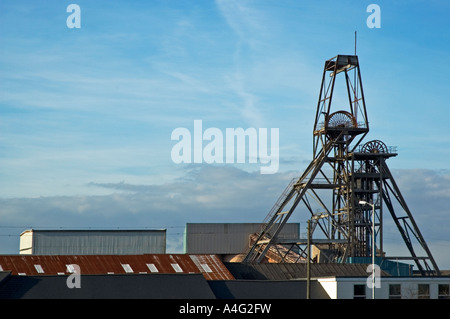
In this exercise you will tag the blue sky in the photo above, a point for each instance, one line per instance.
(86, 114)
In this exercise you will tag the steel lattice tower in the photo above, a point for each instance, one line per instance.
(342, 174)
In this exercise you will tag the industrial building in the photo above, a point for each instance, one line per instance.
(155, 276)
(189, 276)
(92, 242)
(199, 273)
(230, 240)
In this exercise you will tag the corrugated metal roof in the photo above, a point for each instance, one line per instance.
(208, 265)
(288, 271)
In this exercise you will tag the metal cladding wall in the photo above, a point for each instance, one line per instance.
(226, 238)
(93, 242)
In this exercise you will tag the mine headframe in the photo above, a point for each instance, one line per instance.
(342, 174)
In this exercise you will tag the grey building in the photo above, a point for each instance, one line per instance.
(92, 242)
(226, 238)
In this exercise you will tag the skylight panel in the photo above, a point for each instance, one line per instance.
(152, 268)
(39, 269)
(176, 267)
(70, 268)
(206, 268)
(127, 268)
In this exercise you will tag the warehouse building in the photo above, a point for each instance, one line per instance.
(182, 276)
(230, 240)
(92, 242)
(149, 276)
(123, 264)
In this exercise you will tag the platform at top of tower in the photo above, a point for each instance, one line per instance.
(338, 122)
(370, 156)
(341, 63)
(373, 149)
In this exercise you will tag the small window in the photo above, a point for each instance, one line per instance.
(443, 291)
(152, 268)
(395, 291)
(127, 268)
(206, 267)
(423, 291)
(359, 292)
(177, 268)
(39, 269)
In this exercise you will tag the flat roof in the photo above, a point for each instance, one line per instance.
(94, 230)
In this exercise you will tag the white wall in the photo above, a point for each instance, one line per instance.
(330, 286)
(343, 288)
(26, 242)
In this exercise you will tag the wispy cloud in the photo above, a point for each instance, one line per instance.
(247, 23)
(245, 20)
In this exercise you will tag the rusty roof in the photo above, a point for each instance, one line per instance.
(209, 265)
